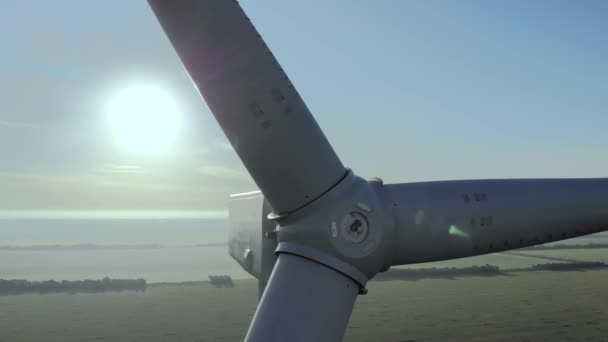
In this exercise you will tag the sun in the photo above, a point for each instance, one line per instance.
(144, 119)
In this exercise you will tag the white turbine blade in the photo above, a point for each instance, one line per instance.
(304, 301)
(455, 219)
(260, 111)
(282, 147)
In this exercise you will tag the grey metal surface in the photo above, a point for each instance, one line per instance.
(257, 106)
(454, 219)
(247, 242)
(322, 231)
(304, 301)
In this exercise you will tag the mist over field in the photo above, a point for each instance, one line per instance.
(158, 250)
(113, 230)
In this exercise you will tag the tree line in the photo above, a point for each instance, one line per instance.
(17, 286)
(221, 281)
(434, 272)
(486, 270)
(569, 266)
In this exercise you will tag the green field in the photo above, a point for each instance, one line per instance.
(525, 306)
(590, 254)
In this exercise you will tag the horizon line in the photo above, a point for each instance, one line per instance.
(111, 214)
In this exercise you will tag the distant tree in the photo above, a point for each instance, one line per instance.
(221, 281)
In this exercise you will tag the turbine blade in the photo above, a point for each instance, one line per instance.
(455, 219)
(303, 301)
(256, 105)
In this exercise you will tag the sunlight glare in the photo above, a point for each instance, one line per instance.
(144, 119)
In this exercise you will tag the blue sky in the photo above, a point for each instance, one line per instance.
(405, 90)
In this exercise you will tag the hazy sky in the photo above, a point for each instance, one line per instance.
(405, 90)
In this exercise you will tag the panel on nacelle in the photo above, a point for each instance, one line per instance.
(247, 241)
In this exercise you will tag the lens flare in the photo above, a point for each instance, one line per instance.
(454, 230)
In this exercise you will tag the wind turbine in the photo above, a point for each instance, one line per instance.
(317, 233)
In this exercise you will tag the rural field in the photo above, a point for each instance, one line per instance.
(504, 261)
(520, 306)
(591, 254)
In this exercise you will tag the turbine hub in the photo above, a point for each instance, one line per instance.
(345, 229)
